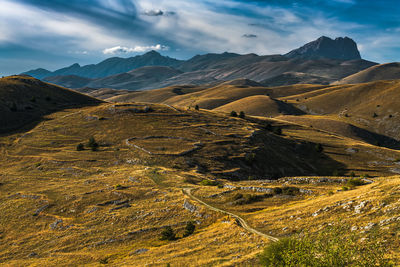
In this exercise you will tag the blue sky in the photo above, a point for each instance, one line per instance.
(56, 33)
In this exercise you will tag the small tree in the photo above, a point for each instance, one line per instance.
(375, 115)
(189, 229)
(197, 107)
(93, 144)
(168, 234)
(278, 131)
(13, 107)
(80, 147)
(319, 148)
(233, 113)
(241, 115)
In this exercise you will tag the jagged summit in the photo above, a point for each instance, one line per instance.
(342, 48)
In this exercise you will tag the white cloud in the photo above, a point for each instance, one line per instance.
(136, 49)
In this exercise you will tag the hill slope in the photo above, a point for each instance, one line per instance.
(388, 71)
(24, 99)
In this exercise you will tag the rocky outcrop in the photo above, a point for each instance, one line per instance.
(324, 47)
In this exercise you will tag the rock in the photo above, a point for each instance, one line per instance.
(39, 210)
(324, 47)
(190, 207)
(369, 226)
(354, 228)
(92, 210)
(358, 209)
(55, 224)
(140, 251)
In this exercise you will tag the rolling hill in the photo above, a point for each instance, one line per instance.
(24, 100)
(388, 71)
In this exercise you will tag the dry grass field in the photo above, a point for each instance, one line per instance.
(63, 206)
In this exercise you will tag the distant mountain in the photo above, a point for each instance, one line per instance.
(108, 67)
(388, 71)
(69, 81)
(324, 47)
(141, 78)
(321, 61)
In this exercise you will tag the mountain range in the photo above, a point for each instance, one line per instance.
(322, 61)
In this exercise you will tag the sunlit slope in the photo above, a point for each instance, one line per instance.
(388, 71)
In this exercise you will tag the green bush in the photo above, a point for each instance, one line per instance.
(93, 144)
(330, 247)
(242, 115)
(278, 131)
(209, 183)
(355, 182)
(319, 148)
(80, 147)
(168, 234)
(277, 190)
(196, 107)
(189, 229)
(233, 113)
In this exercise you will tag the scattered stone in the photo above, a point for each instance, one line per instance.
(190, 207)
(369, 226)
(55, 224)
(358, 209)
(140, 251)
(39, 210)
(92, 210)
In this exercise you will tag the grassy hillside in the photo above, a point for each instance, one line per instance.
(65, 207)
(388, 71)
(24, 100)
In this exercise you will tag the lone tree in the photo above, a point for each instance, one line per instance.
(93, 144)
(233, 113)
(241, 115)
(189, 229)
(196, 107)
(168, 234)
(319, 148)
(80, 147)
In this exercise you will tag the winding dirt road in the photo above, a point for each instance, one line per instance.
(243, 223)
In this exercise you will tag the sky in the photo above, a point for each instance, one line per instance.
(55, 33)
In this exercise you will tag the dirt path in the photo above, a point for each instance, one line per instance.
(243, 223)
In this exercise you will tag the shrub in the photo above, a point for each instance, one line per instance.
(118, 187)
(355, 182)
(250, 157)
(242, 115)
(80, 147)
(278, 130)
(352, 174)
(330, 247)
(290, 190)
(196, 107)
(319, 148)
(209, 183)
(189, 229)
(233, 113)
(375, 115)
(277, 190)
(93, 144)
(13, 107)
(168, 234)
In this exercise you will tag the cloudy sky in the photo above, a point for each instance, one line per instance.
(56, 33)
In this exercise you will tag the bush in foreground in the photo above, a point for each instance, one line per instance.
(331, 247)
(168, 234)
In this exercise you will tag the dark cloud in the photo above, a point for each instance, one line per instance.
(158, 12)
(153, 13)
(249, 35)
